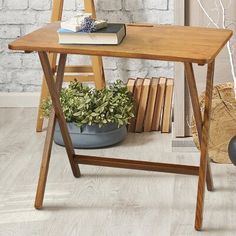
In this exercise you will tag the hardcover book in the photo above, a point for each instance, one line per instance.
(142, 106)
(151, 105)
(130, 85)
(159, 104)
(137, 95)
(166, 119)
(113, 34)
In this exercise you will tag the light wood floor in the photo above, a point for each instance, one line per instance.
(105, 201)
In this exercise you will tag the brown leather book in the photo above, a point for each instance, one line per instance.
(159, 104)
(136, 95)
(166, 118)
(151, 105)
(142, 106)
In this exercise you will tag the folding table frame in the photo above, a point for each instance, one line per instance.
(171, 43)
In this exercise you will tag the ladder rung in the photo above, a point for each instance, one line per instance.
(78, 69)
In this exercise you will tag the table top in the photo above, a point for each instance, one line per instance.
(160, 42)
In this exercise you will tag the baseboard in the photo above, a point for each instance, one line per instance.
(19, 99)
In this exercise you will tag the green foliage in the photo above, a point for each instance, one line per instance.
(87, 106)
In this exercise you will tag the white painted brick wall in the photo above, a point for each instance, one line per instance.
(22, 72)
(134, 5)
(17, 5)
(39, 5)
(110, 5)
(152, 4)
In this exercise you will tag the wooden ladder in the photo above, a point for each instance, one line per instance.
(96, 68)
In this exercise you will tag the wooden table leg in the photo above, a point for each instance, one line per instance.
(204, 146)
(48, 143)
(44, 92)
(198, 116)
(45, 162)
(203, 131)
(51, 127)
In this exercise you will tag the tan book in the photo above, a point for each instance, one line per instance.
(142, 106)
(166, 118)
(151, 105)
(136, 95)
(159, 104)
(130, 85)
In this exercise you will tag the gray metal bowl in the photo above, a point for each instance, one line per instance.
(92, 136)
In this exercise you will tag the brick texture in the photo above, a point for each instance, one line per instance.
(154, 4)
(22, 73)
(17, 5)
(39, 5)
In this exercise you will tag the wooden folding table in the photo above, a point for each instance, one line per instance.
(183, 44)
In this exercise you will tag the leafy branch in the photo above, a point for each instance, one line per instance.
(87, 106)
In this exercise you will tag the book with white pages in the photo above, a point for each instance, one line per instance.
(113, 34)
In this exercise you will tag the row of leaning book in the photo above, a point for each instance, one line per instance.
(153, 104)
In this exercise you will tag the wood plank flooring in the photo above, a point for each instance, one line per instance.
(105, 201)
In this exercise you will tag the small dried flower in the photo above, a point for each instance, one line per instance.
(88, 25)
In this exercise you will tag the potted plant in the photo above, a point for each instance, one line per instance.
(95, 118)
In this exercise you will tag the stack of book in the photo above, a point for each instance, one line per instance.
(100, 32)
(153, 104)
